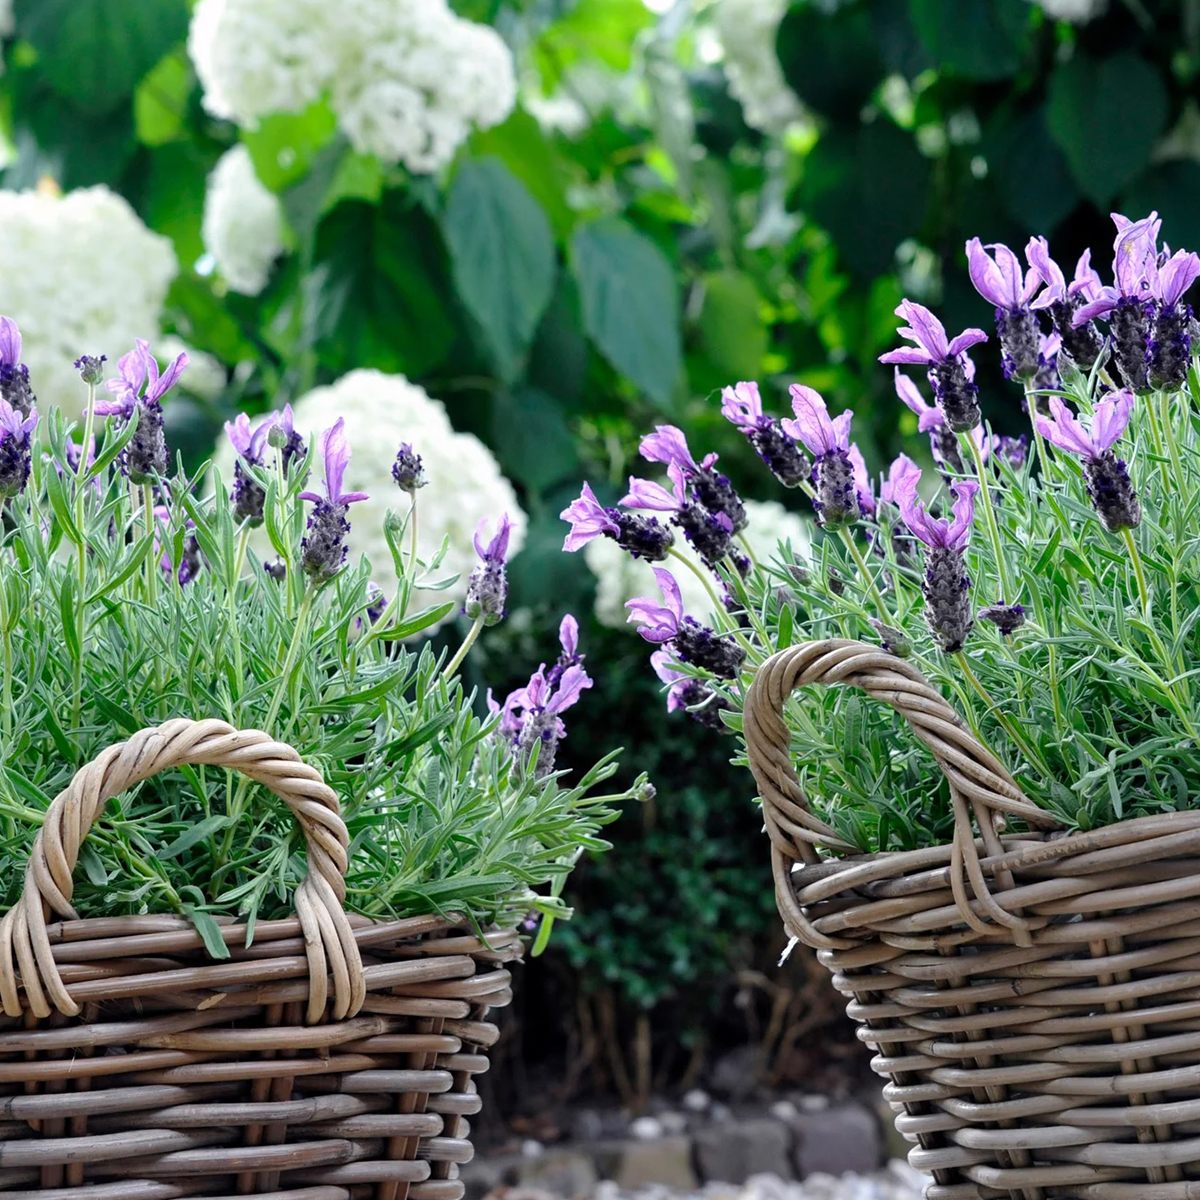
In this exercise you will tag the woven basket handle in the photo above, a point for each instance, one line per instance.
(329, 944)
(979, 784)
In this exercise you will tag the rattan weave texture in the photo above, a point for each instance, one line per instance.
(1033, 998)
(332, 1059)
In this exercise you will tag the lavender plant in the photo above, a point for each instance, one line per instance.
(1049, 584)
(129, 593)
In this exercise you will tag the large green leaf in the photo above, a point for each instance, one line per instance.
(160, 104)
(831, 60)
(374, 296)
(95, 52)
(978, 39)
(284, 146)
(732, 332)
(870, 190)
(502, 256)
(1030, 171)
(532, 438)
(1106, 114)
(630, 304)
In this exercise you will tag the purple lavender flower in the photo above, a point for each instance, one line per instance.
(407, 470)
(91, 368)
(323, 549)
(742, 405)
(943, 443)
(532, 716)
(1048, 378)
(487, 587)
(902, 474)
(16, 457)
(568, 640)
(1128, 306)
(685, 692)
(376, 602)
(1012, 450)
(692, 642)
(1169, 349)
(946, 584)
(642, 537)
(248, 494)
(1082, 343)
(1107, 476)
(710, 533)
(1000, 281)
(15, 389)
(706, 486)
(863, 488)
(950, 370)
(146, 456)
(1007, 618)
(837, 500)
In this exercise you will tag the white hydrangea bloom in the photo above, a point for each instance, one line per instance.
(408, 79)
(6, 19)
(1079, 12)
(205, 376)
(243, 223)
(619, 577)
(465, 484)
(256, 57)
(747, 30)
(80, 274)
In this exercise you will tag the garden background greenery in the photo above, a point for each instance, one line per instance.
(685, 195)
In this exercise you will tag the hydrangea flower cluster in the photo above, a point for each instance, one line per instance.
(747, 29)
(408, 79)
(243, 223)
(78, 272)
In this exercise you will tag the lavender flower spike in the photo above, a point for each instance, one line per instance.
(642, 537)
(1082, 342)
(950, 370)
(742, 405)
(1169, 349)
(705, 485)
(16, 431)
(15, 390)
(828, 441)
(1000, 281)
(323, 549)
(249, 443)
(487, 588)
(543, 705)
(686, 692)
(146, 455)
(946, 584)
(1107, 476)
(710, 533)
(1128, 305)
(931, 420)
(693, 643)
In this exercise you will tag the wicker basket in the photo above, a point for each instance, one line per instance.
(330, 1060)
(1033, 998)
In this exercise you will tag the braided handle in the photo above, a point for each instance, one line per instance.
(329, 942)
(979, 784)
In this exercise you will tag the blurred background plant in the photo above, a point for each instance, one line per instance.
(567, 220)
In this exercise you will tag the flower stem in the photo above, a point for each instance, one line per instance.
(989, 519)
(1030, 753)
(699, 574)
(868, 579)
(298, 635)
(1139, 571)
(472, 636)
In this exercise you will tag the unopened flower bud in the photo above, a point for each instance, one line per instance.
(407, 470)
(892, 640)
(1007, 618)
(91, 368)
